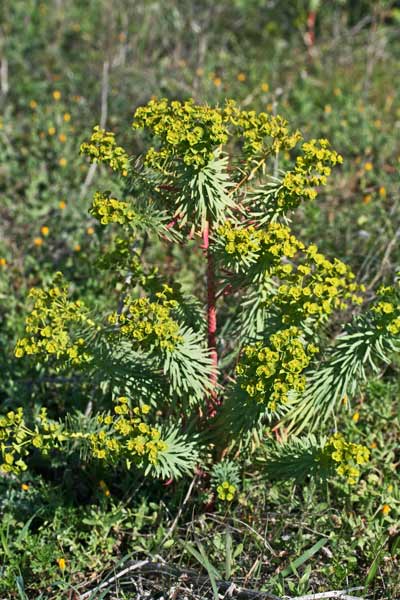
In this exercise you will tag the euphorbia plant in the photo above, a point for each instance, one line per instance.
(244, 354)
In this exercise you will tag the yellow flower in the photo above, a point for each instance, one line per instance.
(38, 241)
(44, 230)
(368, 166)
(3, 262)
(90, 230)
(57, 95)
(77, 248)
(386, 509)
(382, 191)
(67, 117)
(62, 205)
(337, 91)
(241, 77)
(61, 563)
(367, 198)
(356, 417)
(62, 162)
(328, 109)
(33, 104)
(51, 130)
(62, 137)
(264, 87)
(199, 72)
(217, 81)
(25, 487)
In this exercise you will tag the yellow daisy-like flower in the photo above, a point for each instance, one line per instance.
(77, 248)
(38, 241)
(90, 230)
(61, 563)
(62, 204)
(386, 509)
(57, 95)
(33, 104)
(62, 137)
(24, 487)
(45, 230)
(67, 117)
(63, 162)
(356, 417)
(368, 166)
(241, 77)
(51, 130)
(264, 87)
(217, 81)
(3, 262)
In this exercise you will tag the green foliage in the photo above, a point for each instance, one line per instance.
(231, 173)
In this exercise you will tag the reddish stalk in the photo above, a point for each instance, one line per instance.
(212, 400)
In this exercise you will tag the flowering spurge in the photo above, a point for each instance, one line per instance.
(120, 437)
(239, 350)
(348, 457)
(269, 373)
(53, 326)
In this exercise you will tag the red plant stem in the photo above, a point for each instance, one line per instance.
(212, 401)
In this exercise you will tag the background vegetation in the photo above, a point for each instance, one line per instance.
(330, 68)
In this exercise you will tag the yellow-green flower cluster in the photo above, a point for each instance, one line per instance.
(185, 130)
(348, 456)
(102, 148)
(387, 310)
(268, 245)
(191, 132)
(110, 210)
(268, 373)
(226, 491)
(17, 439)
(126, 435)
(48, 326)
(309, 287)
(148, 324)
(311, 170)
(255, 129)
(314, 288)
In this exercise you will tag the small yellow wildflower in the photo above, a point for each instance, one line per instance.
(386, 509)
(373, 445)
(38, 241)
(62, 137)
(367, 198)
(67, 117)
(51, 130)
(57, 95)
(368, 166)
(77, 248)
(217, 81)
(62, 162)
(62, 205)
(356, 417)
(90, 230)
(3, 262)
(241, 77)
(61, 563)
(45, 230)
(327, 109)
(264, 87)
(24, 487)
(33, 104)
(382, 191)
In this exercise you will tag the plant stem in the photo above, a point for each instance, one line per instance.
(212, 401)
